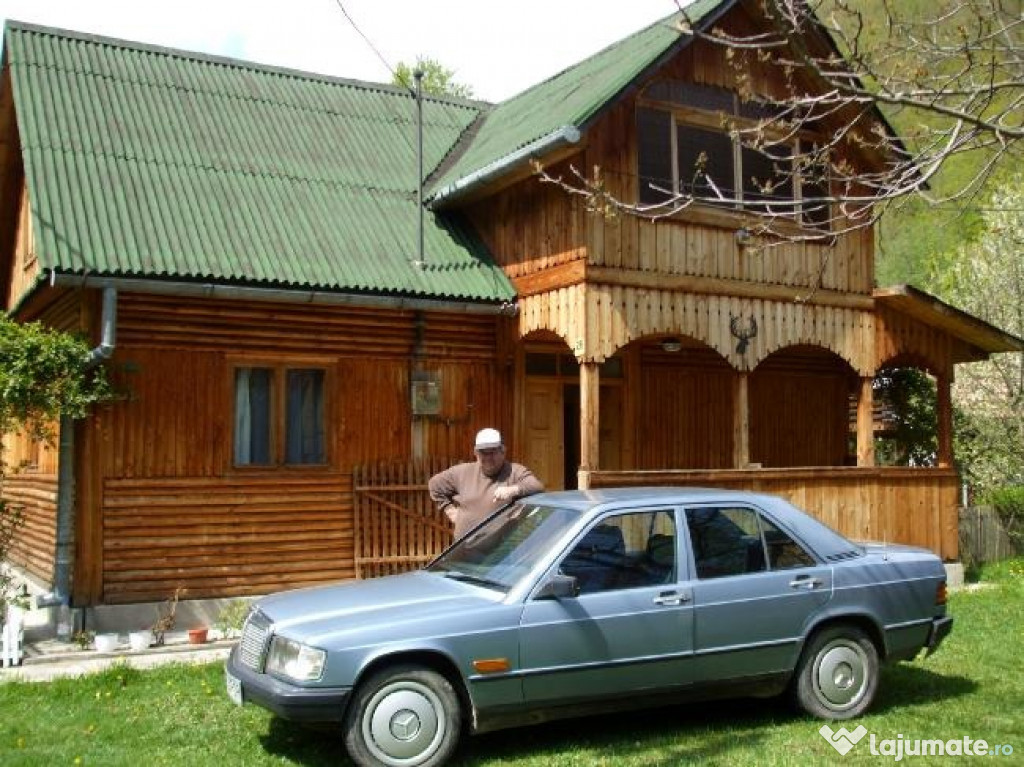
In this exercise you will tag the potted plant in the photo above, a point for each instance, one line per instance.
(197, 635)
(106, 642)
(140, 640)
(166, 617)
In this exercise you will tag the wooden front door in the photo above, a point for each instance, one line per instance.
(551, 449)
(543, 450)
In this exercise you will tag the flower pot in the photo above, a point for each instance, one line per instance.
(140, 640)
(197, 636)
(107, 642)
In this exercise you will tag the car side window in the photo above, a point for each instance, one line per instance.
(625, 551)
(726, 541)
(783, 552)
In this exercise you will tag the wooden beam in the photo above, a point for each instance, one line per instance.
(722, 287)
(741, 421)
(866, 423)
(590, 434)
(945, 419)
(561, 276)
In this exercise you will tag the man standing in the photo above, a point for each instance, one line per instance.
(468, 492)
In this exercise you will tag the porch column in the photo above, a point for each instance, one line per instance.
(741, 420)
(866, 423)
(945, 418)
(590, 440)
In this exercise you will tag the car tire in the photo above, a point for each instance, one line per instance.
(403, 716)
(837, 675)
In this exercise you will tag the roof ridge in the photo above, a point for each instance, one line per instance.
(229, 61)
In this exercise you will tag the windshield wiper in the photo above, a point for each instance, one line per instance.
(475, 579)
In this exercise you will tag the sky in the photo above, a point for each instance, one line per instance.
(497, 48)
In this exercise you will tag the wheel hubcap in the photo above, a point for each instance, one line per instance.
(403, 724)
(841, 674)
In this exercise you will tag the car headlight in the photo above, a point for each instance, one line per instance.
(295, 660)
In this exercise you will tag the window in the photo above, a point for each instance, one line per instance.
(279, 416)
(683, 147)
(625, 551)
(733, 541)
(725, 541)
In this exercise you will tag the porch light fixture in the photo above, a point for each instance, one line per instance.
(744, 237)
(672, 345)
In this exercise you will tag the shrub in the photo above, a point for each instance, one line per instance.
(1009, 505)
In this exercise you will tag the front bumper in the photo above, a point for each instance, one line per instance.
(289, 701)
(940, 630)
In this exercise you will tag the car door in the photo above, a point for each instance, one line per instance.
(755, 589)
(631, 627)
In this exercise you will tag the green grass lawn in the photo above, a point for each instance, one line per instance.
(176, 715)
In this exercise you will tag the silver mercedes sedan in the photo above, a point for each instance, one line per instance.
(570, 603)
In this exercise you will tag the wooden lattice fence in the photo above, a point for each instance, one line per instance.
(398, 527)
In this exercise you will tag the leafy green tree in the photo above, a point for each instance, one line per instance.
(908, 398)
(438, 80)
(986, 278)
(44, 374)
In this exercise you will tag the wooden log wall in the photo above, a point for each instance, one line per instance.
(534, 227)
(165, 487)
(35, 497)
(174, 360)
(799, 410)
(912, 506)
(685, 411)
(224, 536)
(24, 268)
(32, 483)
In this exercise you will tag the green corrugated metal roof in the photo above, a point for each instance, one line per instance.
(142, 161)
(572, 97)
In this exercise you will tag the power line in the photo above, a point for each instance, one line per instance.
(373, 48)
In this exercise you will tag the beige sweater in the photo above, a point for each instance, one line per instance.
(468, 489)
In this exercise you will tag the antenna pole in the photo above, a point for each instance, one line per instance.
(421, 260)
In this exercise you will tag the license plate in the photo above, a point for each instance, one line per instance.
(234, 688)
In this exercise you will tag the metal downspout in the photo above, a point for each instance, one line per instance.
(64, 548)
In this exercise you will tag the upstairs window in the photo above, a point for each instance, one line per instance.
(684, 148)
(279, 416)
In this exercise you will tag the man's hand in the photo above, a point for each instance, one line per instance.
(506, 493)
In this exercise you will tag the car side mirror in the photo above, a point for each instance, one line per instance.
(559, 586)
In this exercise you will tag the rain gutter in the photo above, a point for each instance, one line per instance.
(315, 297)
(64, 546)
(562, 137)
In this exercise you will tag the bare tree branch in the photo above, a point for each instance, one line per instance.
(953, 82)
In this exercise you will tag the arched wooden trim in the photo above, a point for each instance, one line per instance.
(907, 359)
(596, 321)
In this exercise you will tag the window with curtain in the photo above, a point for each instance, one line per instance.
(304, 425)
(279, 416)
(253, 416)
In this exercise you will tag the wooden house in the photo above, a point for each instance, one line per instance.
(242, 242)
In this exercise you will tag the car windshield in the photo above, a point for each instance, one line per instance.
(499, 553)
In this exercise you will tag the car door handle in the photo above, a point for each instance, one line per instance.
(671, 598)
(805, 582)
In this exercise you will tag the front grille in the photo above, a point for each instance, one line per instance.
(255, 634)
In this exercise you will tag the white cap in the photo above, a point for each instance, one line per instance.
(487, 439)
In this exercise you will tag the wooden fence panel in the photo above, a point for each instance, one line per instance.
(983, 537)
(917, 507)
(398, 528)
